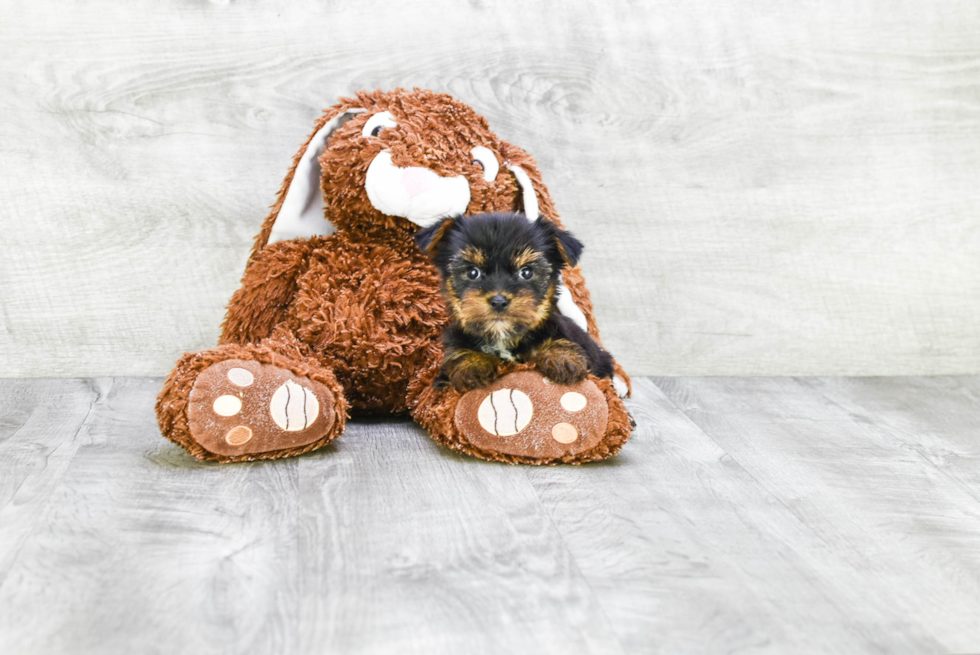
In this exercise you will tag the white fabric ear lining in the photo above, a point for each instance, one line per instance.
(529, 198)
(301, 213)
(567, 307)
(619, 384)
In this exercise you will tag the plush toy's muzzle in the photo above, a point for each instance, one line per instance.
(415, 193)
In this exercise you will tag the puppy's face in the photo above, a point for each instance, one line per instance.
(500, 271)
(501, 292)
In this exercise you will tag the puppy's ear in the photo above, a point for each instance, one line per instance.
(568, 248)
(428, 239)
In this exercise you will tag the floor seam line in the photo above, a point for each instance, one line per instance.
(571, 555)
(97, 402)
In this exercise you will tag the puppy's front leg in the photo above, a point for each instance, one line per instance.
(561, 361)
(466, 369)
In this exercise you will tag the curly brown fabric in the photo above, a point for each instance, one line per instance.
(359, 311)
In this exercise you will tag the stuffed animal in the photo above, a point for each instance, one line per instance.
(340, 313)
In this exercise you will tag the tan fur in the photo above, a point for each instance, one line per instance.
(523, 314)
(474, 256)
(360, 310)
(525, 257)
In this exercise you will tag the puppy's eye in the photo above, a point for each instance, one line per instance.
(527, 272)
(473, 273)
(487, 161)
(377, 123)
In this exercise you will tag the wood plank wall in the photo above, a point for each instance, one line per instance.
(764, 187)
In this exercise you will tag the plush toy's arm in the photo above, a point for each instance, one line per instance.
(575, 286)
(268, 285)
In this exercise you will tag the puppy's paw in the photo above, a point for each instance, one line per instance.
(561, 361)
(469, 369)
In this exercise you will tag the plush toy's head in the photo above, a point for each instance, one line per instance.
(398, 161)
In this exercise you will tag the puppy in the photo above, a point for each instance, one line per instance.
(500, 273)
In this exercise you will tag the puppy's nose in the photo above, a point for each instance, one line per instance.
(499, 303)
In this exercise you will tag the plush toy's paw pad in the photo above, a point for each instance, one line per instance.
(526, 415)
(240, 407)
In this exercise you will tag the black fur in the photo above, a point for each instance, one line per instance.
(500, 238)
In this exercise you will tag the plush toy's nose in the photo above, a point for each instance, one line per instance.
(498, 303)
(418, 180)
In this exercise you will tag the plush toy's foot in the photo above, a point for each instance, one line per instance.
(242, 408)
(239, 407)
(526, 415)
(524, 418)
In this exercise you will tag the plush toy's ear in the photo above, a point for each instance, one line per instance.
(428, 239)
(299, 207)
(567, 248)
(301, 212)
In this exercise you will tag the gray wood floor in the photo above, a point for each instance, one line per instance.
(777, 515)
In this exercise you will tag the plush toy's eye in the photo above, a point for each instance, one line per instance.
(527, 272)
(377, 123)
(473, 273)
(487, 160)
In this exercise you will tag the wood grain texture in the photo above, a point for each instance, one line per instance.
(936, 417)
(763, 188)
(694, 554)
(818, 515)
(854, 482)
(385, 543)
(407, 548)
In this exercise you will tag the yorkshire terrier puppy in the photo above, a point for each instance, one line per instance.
(500, 274)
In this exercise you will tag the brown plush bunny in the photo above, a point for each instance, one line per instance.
(339, 311)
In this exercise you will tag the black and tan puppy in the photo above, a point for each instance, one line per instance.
(500, 274)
